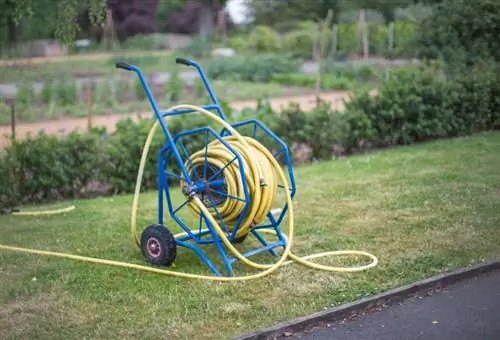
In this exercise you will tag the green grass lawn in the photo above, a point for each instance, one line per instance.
(422, 210)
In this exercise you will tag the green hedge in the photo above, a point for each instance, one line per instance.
(411, 106)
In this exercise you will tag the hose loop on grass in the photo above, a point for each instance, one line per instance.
(262, 167)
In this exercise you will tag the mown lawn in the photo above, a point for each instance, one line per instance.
(422, 210)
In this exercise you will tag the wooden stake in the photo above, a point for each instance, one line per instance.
(89, 106)
(13, 121)
(322, 26)
(365, 33)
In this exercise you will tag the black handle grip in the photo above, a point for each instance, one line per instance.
(123, 65)
(182, 61)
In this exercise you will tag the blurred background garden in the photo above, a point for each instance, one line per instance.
(331, 77)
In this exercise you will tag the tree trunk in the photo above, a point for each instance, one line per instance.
(206, 21)
(12, 37)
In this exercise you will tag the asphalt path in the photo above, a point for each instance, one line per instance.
(467, 310)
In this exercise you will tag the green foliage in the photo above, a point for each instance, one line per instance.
(411, 106)
(327, 82)
(144, 42)
(378, 39)
(46, 168)
(103, 93)
(348, 40)
(299, 42)
(139, 91)
(24, 95)
(458, 30)
(273, 13)
(362, 74)
(60, 16)
(239, 44)
(264, 39)
(258, 68)
(421, 105)
(174, 86)
(320, 128)
(67, 91)
(47, 92)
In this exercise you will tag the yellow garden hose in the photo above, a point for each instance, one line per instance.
(44, 212)
(260, 167)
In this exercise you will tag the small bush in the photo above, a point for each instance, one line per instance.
(239, 44)
(66, 91)
(264, 39)
(259, 68)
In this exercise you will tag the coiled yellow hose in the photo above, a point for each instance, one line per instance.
(259, 164)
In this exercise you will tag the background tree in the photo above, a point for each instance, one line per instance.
(280, 13)
(59, 17)
(460, 31)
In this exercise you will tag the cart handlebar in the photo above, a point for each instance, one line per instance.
(123, 65)
(184, 61)
(129, 67)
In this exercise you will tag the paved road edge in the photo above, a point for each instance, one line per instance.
(388, 297)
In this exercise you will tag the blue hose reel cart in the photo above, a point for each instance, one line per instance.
(158, 244)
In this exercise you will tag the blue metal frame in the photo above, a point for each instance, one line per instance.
(171, 149)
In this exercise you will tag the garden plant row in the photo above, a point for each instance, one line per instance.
(64, 97)
(411, 106)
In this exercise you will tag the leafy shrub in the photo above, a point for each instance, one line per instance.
(459, 29)
(347, 38)
(378, 38)
(259, 68)
(239, 44)
(66, 91)
(320, 128)
(48, 168)
(264, 39)
(301, 41)
(414, 106)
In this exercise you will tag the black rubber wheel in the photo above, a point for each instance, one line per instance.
(158, 245)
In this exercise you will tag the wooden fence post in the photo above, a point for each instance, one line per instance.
(89, 105)
(13, 121)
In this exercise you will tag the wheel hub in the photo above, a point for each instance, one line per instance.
(153, 247)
